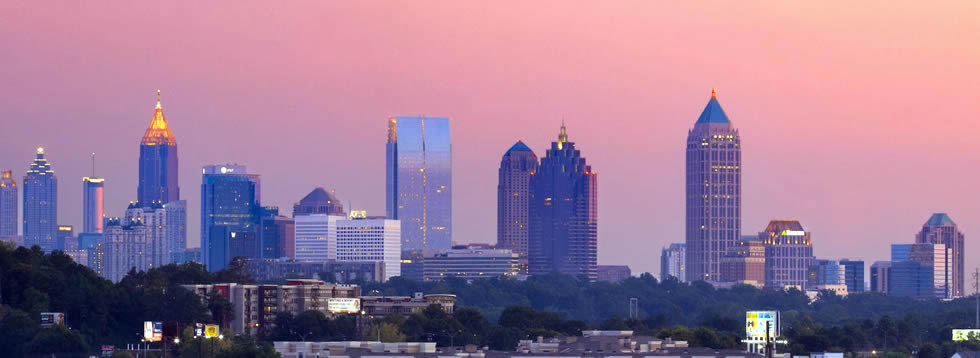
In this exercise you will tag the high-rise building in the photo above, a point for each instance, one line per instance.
(277, 235)
(789, 253)
(879, 276)
(713, 191)
(745, 263)
(313, 235)
(40, 204)
(940, 229)
(419, 183)
(158, 162)
(564, 213)
(65, 239)
(513, 199)
(92, 204)
(8, 205)
(672, 261)
(853, 275)
(230, 209)
(175, 241)
(825, 272)
(920, 270)
(123, 248)
(364, 239)
(319, 201)
(157, 224)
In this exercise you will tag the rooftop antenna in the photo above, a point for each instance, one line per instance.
(93, 164)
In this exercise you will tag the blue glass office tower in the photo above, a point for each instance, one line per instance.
(853, 275)
(517, 167)
(8, 205)
(158, 162)
(419, 185)
(713, 192)
(563, 213)
(920, 270)
(230, 211)
(41, 204)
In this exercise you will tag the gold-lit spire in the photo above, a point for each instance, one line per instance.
(159, 107)
(40, 150)
(714, 94)
(562, 136)
(158, 133)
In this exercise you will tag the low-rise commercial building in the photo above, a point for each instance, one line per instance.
(613, 273)
(380, 306)
(341, 272)
(471, 262)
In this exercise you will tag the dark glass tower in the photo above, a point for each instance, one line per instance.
(8, 205)
(563, 213)
(158, 162)
(230, 210)
(513, 197)
(41, 204)
(714, 192)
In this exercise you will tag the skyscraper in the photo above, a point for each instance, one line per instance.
(853, 275)
(319, 201)
(40, 204)
(672, 261)
(563, 213)
(230, 206)
(277, 236)
(8, 205)
(714, 191)
(513, 198)
(879, 276)
(92, 204)
(920, 270)
(419, 181)
(940, 229)
(175, 241)
(158, 162)
(365, 239)
(315, 238)
(744, 263)
(789, 253)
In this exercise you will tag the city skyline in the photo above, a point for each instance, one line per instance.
(783, 181)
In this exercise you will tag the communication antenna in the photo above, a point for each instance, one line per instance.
(93, 164)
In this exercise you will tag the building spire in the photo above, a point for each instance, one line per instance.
(714, 94)
(562, 136)
(158, 99)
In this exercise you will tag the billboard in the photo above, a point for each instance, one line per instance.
(965, 334)
(49, 319)
(199, 330)
(210, 331)
(152, 331)
(755, 324)
(344, 305)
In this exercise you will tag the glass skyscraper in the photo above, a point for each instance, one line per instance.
(853, 275)
(513, 197)
(158, 162)
(713, 191)
(40, 204)
(8, 205)
(563, 213)
(92, 204)
(230, 209)
(419, 185)
(920, 270)
(940, 229)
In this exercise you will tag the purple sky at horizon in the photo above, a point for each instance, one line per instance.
(855, 118)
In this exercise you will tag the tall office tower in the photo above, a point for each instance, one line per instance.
(563, 213)
(92, 204)
(158, 162)
(124, 247)
(66, 238)
(853, 275)
(319, 201)
(672, 261)
(277, 235)
(940, 229)
(154, 220)
(419, 186)
(789, 253)
(8, 205)
(513, 198)
(744, 263)
(230, 209)
(175, 240)
(313, 237)
(825, 272)
(879, 276)
(920, 270)
(40, 204)
(714, 191)
(364, 239)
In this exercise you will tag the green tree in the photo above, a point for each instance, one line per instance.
(384, 331)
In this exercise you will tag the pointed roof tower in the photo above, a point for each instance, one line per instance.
(158, 133)
(712, 112)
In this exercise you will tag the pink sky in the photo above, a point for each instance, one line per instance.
(856, 118)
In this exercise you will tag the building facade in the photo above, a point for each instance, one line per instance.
(418, 183)
(940, 229)
(825, 272)
(124, 247)
(331, 271)
(789, 253)
(277, 237)
(879, 276)
(8, 205)
(853, 275)
(158, 162)
(745, 263)
(66, 240)
(920, 271)
(313, 237)
(713, 192)
(319, 201)
(93, 201)
(513, 199)
(175, 228)
(472, 262)
(564, 213)
(40, 204)
(363, 239)
(230, 207)
(613, 273)
(672, 262)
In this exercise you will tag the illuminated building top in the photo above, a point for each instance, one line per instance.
(158, 133)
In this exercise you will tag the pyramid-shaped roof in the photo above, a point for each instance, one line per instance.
(158, 133)
(712, 112)
(319, 195)
(940, 219)
(519, 147)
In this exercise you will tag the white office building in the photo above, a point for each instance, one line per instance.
(363, 239)
(313, 237)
